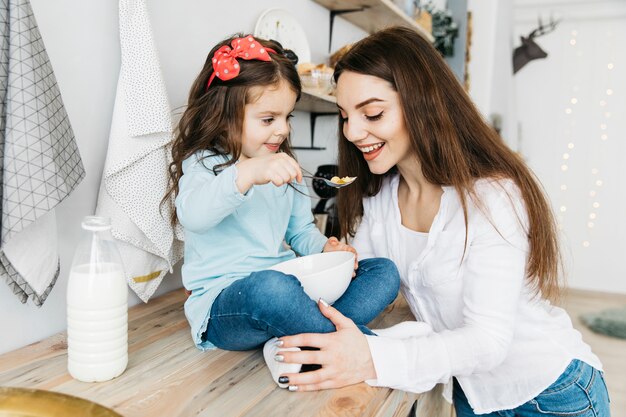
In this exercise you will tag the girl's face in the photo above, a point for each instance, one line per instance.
(373, 120)
(266, 119)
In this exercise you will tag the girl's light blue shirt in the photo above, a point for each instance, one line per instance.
(229, 235)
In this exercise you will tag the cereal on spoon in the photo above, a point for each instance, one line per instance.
(343, 180)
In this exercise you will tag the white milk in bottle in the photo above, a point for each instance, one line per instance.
(97, 306)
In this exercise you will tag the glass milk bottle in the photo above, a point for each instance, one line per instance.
(97, 306)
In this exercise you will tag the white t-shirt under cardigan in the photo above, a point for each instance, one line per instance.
(504, 345)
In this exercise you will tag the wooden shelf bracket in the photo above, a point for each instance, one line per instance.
(312, 119)
(339, 12)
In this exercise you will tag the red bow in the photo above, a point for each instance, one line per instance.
(225, 65)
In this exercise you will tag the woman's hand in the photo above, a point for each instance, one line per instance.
(344, 355)
(333, 244)
(277, 168)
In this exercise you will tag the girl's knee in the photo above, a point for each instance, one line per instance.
(384, 269)
(274, 289)
(277, 282)
(389, 267)
(383, 275)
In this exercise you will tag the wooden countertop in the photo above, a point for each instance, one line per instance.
(167, 376)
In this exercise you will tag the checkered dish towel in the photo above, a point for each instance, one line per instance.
(40, 162)
(135, 175)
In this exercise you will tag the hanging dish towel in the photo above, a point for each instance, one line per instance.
(40, 161)
(135, 175)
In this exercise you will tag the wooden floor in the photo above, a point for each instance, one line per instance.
(612, 351)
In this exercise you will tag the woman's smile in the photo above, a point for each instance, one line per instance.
(370, 152)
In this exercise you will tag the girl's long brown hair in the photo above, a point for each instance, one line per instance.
(453, 143)
(213, 118)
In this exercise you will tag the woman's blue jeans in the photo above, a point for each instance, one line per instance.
(270, 304)
(580, 391)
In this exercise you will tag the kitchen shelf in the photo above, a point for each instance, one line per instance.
(316, 105)
(373, 15)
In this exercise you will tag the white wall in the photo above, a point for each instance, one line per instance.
(490, 67)
(564, 110)
(533, 104)
(82, 41)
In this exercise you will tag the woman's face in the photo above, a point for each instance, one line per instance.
(373, 120)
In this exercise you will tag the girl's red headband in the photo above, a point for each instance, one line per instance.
(225, 65)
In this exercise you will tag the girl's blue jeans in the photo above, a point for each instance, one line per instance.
(580, 391)
(270, 304)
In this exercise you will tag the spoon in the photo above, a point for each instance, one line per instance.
(329, 182)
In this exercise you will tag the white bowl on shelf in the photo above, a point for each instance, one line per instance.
(323, 275)
(317, 81)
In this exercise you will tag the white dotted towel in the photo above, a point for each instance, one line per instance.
(135, 175)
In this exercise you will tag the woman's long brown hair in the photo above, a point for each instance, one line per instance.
(454, 144)
(213, 119)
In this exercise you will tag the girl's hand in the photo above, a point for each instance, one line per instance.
(277, 168)
(344, 355)
(333, 244)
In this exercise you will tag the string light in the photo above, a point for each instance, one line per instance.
(603, 136)
(570, 131)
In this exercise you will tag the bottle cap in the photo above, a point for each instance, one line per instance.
(96, 223)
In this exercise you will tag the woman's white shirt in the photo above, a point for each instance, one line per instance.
(503, 344)
(413, 244)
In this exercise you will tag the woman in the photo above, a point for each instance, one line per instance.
(474, 239)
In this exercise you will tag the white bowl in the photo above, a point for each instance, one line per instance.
(323, 275)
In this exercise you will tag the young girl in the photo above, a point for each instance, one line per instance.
(473, 235)
(239, 196)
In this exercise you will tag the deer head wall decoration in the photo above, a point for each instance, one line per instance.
(529, 50)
